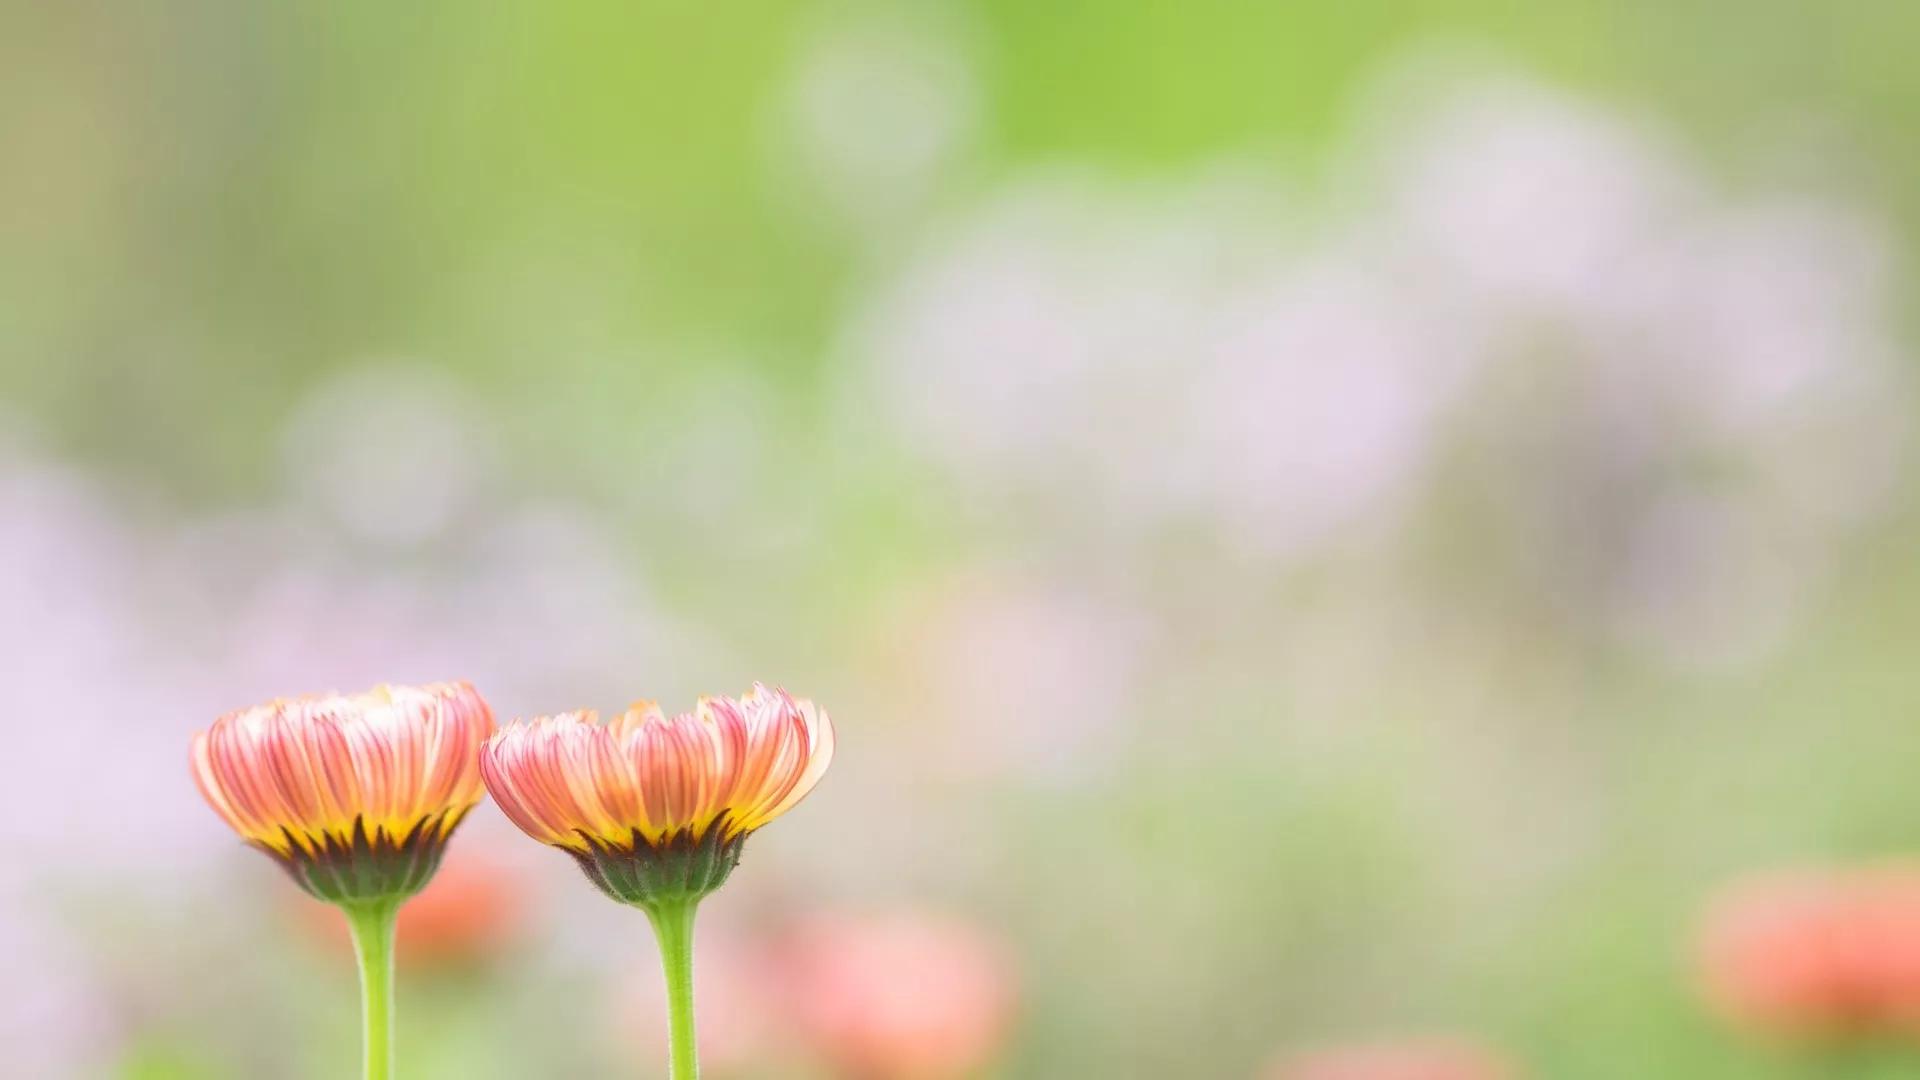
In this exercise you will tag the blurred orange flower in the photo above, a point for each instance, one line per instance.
(1818, 953)
(901, 996)
(1434, 1059)
(470, 909)
(354, 795)
(694, 785)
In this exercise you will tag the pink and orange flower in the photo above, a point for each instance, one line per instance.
(656, 808)
(353, 795)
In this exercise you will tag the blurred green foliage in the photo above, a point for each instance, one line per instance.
(209, 203)
(208, 206)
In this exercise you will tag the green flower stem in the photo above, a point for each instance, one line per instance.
(673, 925)
(372, 924)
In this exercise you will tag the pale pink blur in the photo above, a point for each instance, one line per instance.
(1818, 953)
(1435, 1059)
(975, 655)
(901, 996)
(742, 1028)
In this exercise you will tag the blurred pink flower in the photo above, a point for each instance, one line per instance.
(1436, 1059)
(742, 1029)
(901, 996)
(1818, 953)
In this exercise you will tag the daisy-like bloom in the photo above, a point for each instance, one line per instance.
(354, 795)
(656, 810)
(1818, 954)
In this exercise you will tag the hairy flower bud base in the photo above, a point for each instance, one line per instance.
(367, 869)
(679, 870)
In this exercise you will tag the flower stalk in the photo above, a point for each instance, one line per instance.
(655, 810)
(673, 927)
(355, 796)
(373, 944)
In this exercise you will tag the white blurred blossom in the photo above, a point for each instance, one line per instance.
(89, 686)
(1556, 284)
(86, 713)
(1705, 391)
(879, 107)
(1525, 196)
(392, 454)
(51, 1022)
(1150, 357)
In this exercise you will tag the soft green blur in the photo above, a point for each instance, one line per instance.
(1402, 780)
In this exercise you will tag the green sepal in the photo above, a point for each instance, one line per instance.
(366, 869)
(679, 870)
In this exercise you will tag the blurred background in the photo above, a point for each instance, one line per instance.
(1317, 526)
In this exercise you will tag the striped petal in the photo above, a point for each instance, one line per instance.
(298, 775)
(733, 764)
